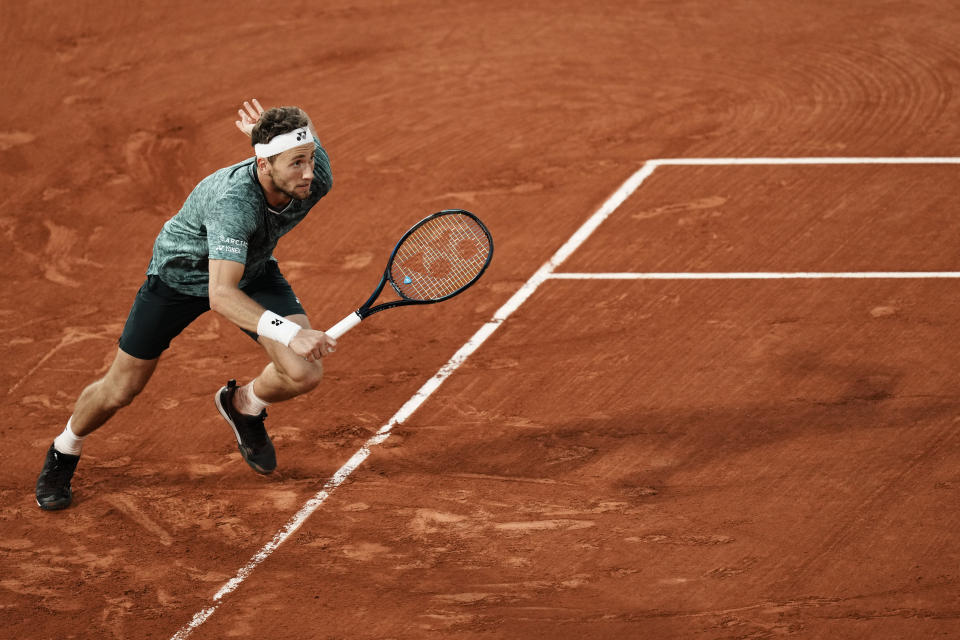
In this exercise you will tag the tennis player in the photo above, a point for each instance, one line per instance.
(217, 253)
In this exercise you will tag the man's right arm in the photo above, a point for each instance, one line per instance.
(228, 300)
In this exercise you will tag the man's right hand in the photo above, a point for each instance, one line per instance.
(311, 345)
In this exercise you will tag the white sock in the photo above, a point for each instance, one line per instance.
(247, 402)
(68, 442)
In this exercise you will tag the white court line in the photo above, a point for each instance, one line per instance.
(759, 275)
(421, 395)
(544, 273)
(729, 162)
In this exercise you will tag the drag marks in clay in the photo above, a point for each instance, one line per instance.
(707, 204)
(11, 139)
(681, 540)
(127, 505)
(71, 336)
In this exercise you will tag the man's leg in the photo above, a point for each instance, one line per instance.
(125, 379)
(286, 376)
(158, 315)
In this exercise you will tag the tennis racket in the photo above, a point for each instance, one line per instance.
(439, 257)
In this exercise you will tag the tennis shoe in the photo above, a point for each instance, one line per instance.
(252, 439)
(53, 483)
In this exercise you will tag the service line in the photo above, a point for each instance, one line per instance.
(758, 275)
(827, 160)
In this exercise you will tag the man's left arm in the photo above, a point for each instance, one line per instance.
(251, 112)
(249, 116)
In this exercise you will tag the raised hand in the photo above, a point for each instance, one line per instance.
(249, 116)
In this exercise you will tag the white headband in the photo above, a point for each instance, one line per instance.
(283, 142)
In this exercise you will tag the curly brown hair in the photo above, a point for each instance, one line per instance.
(275, 121)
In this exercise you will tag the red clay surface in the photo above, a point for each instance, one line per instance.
(621, 459)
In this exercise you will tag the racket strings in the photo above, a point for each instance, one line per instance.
(436, 267)
(441, 257)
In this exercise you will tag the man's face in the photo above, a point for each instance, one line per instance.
(292, 171)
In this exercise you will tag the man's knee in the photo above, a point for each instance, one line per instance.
(304, 377)
(117, 395)
(125, 380)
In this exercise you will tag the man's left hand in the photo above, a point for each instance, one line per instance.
(249, 116)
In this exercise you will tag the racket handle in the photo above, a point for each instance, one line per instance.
(344, 325)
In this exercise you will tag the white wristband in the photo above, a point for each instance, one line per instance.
(277, 328)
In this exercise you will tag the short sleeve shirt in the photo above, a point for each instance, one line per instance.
(227, 217)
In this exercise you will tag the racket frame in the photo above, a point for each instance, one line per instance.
(366, 310)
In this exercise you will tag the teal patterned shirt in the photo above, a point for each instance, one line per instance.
(226, 217)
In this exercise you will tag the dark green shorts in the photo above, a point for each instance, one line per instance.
(160, 313)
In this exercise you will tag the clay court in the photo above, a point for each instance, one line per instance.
(689, 399)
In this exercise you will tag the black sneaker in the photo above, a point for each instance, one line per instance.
(252, 438)
(53, 484)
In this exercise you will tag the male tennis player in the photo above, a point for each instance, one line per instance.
(217, 253)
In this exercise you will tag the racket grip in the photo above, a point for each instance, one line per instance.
(344, 325)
